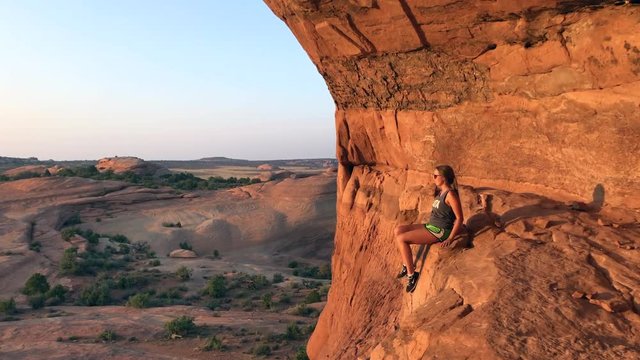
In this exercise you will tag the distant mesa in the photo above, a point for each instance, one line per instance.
(268, 167)
(136, 165)
(183, 253)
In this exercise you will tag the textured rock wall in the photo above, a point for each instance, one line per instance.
(538, 96)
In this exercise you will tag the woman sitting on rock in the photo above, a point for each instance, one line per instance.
(445, 223)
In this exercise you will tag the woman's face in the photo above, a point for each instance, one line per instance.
(437, 178)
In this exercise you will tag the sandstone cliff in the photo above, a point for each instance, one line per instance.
(527, 97)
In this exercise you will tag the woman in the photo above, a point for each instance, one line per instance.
(445, 223)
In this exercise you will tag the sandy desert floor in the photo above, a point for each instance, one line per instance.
(256, 230)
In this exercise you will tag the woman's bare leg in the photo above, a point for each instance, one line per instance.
(419, 235)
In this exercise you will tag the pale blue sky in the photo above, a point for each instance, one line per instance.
(157, 79)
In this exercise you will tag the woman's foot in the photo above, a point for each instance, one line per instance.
(413, 281)
(402, 272)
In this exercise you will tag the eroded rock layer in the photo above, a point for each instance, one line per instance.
(529, 97)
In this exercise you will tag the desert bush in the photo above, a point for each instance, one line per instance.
(97, 294)
(285, 299)
(8, 306)
(154, 262)
(216, 287)
(277, 278)
(216, 253)
(37, 301)
(293, 332)
(185, 245)
(68, 233)
(213, 344)
(182, 326)
(304, 310)
(69, 261)
(183, 273)
(140, 301)
(301, 354)
(35, 246)
(108, 336)
(267, 300)
(293, 264)
(257, 282)
(262, 350)
(313, 297)
(36, 284)
(58, 293)
(119, 238)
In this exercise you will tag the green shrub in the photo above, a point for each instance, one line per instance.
(68, 233)
(170, 224)
(262, 350)
(257, 282)
(277, 278)
(140, 301)
(293, 264)
(216, 287)
(182, 326)
(119, 238)
(8, 306)
(213, 344)
(185, 245)
(183, 273)
(301, 354)
(216, 253)
(313, 297)
(36, 284)
(285, 299)
(293, 332)
(267, 300)
(108, 336)
(154, 262)
(35, 246)
(58, 293)
(304, 310)
(37, 301)
(97, 294)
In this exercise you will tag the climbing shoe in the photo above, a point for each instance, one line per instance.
(413, 281)
(402, 272)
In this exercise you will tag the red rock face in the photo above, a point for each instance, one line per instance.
(525, 96)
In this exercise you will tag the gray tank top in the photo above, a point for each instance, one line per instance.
(442, 214)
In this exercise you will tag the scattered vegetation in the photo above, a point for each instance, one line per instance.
(8, 307)
(213, 343)
(35, 246)
(179, 181)
(262, 350)
(277, 278)
(313, 297)
(216, 287)
(185, 246)
(182, 326)
(140, 301)
(108, 336)
(314, 272)
(36, 284)
(183, 273)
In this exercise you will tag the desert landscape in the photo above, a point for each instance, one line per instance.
(248, 265)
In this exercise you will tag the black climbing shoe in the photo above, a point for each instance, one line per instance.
(402, 272)
(413, 281)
